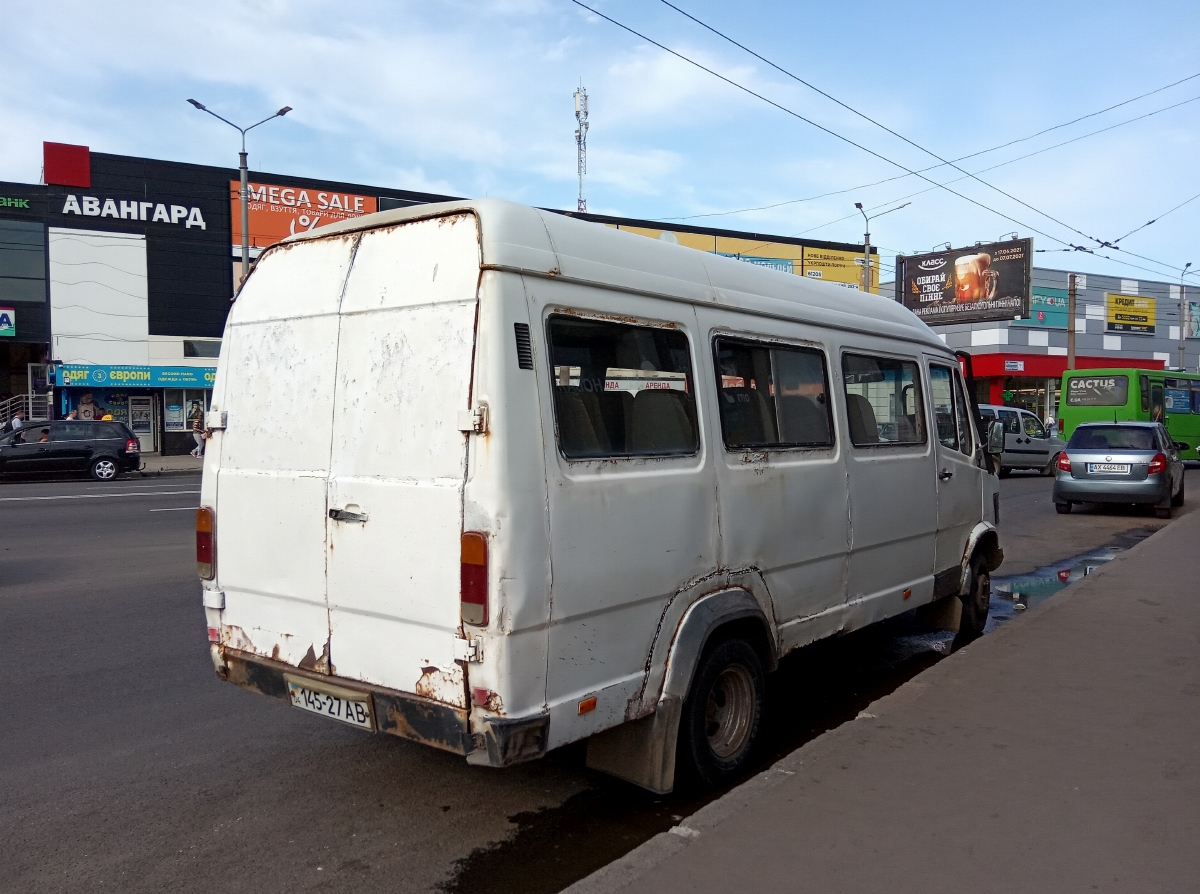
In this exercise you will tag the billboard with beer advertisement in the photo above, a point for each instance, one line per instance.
(277, 212)
(1130, 313)
(968, 285)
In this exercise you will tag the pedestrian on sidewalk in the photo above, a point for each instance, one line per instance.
(16, 423)
(198, 429)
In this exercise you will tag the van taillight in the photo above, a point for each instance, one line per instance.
(473, 579)
(1064, 462)
(205, 544)
(1158, 464)
(131, 446)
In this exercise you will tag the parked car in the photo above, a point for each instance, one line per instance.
(554, 481)
(1120, 462)
(1028, 444)
(105, 449)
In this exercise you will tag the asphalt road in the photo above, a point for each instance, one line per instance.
(126, 765)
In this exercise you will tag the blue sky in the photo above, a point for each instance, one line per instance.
(474, 98)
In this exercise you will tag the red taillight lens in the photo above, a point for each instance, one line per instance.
(474, 579)
(1064, 462)
(131, 446)
(1158, 464)
(205, 543)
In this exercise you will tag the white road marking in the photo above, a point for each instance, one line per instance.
(151, 493)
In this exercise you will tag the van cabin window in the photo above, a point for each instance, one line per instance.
(962, 415)
(772, 396)
(883, 401)
(941, 397)
(621, 390)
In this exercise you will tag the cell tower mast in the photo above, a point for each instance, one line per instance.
(581, 115)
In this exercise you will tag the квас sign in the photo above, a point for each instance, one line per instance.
(968, 285)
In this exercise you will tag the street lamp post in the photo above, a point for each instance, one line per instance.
(244, 171)
(867, 240)
(1182, 314)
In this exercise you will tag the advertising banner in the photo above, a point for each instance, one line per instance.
(1191, 319)
(1047, 309)
(78, 375)
(843, 268)
(277, 212)
(968, 285)
(1100, 391)
(8, 322)
(1130, 313)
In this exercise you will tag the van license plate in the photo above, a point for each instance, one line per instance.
(349, 707)
(1119, 468)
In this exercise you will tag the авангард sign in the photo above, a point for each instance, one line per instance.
(968, 285)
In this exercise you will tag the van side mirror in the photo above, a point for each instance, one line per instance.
(995, 444)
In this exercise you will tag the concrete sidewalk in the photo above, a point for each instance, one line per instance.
(1060, 753)
(154, 464)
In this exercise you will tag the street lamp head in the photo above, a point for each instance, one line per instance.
(857, 205)
(198, 105)
(283, 111)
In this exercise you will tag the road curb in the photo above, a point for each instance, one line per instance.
(625, 870)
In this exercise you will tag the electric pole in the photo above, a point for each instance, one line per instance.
(581, 116)
(1071, 322)
(1183, 316)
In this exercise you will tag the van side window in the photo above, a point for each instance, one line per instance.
(1012, 424)
(621, 390)
(883, 401)
(772, 396)
(941, 396)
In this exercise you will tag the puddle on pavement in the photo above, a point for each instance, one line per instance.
(815, 689)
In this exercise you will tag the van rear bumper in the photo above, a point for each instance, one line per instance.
(396, 713)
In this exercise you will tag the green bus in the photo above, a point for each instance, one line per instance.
(1121, 395)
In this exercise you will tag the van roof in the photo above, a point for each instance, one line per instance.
(535, 242)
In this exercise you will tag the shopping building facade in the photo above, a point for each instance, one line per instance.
(1021, 362)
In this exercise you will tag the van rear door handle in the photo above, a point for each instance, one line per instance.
(347, 516)
(945, 474)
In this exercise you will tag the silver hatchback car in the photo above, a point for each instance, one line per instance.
(1120, 462)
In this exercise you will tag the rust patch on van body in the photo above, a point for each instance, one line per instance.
(441, 685)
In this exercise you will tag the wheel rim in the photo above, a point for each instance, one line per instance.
(729, 712)
(983, 591)
(105, 469)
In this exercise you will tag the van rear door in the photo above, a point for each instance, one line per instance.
(399, 461)
(276, 384)
(342, 469)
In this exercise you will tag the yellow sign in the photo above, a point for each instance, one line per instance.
(1131, 313)
(824, 264)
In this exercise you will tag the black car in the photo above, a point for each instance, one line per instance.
(103, 448)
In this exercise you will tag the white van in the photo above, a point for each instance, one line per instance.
(496, 480)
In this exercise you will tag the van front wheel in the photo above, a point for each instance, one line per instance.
(974, 605)
(722, 713)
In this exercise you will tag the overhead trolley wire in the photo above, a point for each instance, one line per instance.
(1100, 242)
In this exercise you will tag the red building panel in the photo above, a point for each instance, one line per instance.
(67, 165)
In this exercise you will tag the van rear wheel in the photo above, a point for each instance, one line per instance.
(722, 713)
(975, 605)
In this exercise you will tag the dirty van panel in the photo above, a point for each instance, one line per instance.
(271, 483)
(399, 460)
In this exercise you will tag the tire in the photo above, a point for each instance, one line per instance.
(1177, 500)
(975, 606)
(1062, 508)
(104, 468)
(1004, 473)
(1050, 467)
(721, 715)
